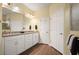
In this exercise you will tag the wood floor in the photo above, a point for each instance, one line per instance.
(41, 49)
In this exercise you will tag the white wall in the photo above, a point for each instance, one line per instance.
(66, 27)
(0, 33)
(75, 17)
(1, 41)
(43, 24)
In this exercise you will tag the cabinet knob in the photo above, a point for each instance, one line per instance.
(46, 32)
(61, 33)
(16, 43)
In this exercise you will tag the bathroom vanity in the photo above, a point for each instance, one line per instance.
(18, 42)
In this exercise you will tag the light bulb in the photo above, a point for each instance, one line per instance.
(16, 9)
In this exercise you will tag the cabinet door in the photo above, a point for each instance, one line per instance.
(28, 41)
(10, 46)
(20, 43)
(35, 38)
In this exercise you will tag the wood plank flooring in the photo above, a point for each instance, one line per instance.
(41, 49)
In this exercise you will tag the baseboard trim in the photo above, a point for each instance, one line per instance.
(42, 43)
(57, 50)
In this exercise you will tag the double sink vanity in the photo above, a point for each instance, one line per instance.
(17, 42)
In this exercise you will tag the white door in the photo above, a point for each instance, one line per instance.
(28, 41)
(10, 46)
(44, 30)
(20, 43)
(57, 28)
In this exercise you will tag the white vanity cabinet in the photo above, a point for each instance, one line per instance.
(35, 38)
(20, 44)
(28, 41)
(16, 44)
(31, 40)
(10, 45)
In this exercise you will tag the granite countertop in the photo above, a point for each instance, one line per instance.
(7, 34)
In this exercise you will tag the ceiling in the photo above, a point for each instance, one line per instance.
(32, 6)
(36, 6)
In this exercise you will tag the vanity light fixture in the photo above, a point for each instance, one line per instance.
(9, 3)
(4, 4)
(16, 9)
(29, 15)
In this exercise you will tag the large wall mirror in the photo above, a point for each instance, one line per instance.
(75, 17)
(14, 21)
(5, 19)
